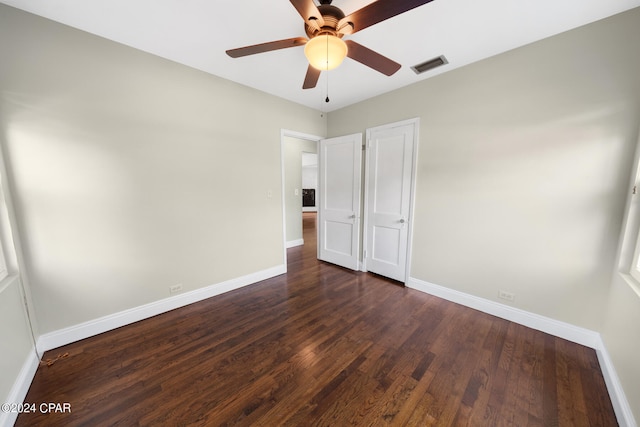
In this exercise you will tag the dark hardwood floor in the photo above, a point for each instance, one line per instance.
(323, 346)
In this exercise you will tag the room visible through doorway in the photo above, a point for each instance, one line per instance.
(309, 232)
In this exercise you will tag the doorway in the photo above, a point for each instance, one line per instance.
(293, 145)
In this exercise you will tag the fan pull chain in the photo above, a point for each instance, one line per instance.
(327, 59)
(327, 98)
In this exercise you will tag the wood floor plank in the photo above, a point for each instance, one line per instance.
(521, 380)
(318, 346)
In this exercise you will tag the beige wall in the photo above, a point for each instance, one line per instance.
(523, 169)
(133, 173)
(292, 155)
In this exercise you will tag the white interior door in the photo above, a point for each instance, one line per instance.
(389, 184)
(340, 169)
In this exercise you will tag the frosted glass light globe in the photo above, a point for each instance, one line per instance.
(325, 52)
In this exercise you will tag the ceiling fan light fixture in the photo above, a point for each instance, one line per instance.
(325, 51)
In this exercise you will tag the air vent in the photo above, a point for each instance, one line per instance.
(430, 64)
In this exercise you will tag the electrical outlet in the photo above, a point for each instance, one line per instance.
(175, 288)
(507, 296)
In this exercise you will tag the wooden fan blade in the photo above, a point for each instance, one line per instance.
(379, 11)
(371, 59)
(309, 12)
(266, 47)
(311, 79)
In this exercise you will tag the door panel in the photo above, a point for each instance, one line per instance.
(386, 240)
(389, 155)
(340, 169)
(390, 152)
(339, 179)
(338, 237)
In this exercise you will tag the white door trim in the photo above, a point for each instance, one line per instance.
(415, 122)
(291, 134)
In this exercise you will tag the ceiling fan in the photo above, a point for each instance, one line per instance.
(325, 26)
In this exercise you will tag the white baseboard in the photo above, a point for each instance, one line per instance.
(616, 392)
(292, 243)
(553, 327)
(20, 387)
(97, 326)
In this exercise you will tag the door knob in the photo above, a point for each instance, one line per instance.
(402, 221)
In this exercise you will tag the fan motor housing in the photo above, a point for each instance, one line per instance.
(331, 16)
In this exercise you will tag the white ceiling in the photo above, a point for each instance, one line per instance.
(197, 33)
